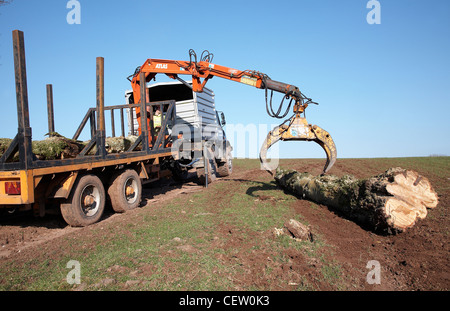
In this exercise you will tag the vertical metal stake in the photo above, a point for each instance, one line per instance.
(92, 123)
(132, 115)
(100, 90)
(51, 118)
(205, 157)
(122, 124)
(113, 127)
(23, 118)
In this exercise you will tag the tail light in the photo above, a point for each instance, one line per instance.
(12, 187)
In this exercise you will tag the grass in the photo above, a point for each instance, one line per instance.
(186, 244)
(153, 243)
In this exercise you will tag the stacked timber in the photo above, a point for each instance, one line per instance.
(390, 202)
(4, 144)
(119, 144)
(56, 147)
(59, 147)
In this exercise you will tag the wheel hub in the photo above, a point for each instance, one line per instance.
(129, 191)
(89, 200)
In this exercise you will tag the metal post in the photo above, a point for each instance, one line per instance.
(24, 130)
(92, 124)
(132, 121)
(113, 127)
(51, 118)
(143, 112)
(206, 161)
(122, 125)
(101, 135)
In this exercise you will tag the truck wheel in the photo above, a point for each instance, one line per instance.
(212, 170)
(86, 203)
(225, 168)
(125, 191)
(178, 173)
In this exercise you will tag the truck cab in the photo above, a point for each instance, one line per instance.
(198, 136)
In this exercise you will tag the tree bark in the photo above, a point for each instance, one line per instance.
(298, 230)
(56, 147)
(390, 202)
(60, 147)
(53, 147)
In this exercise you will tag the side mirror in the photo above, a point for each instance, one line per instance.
(222, 118)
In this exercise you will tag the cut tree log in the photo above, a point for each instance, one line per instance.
(4, 144)
(53, 147)
(390, 202)
(119, 144)
(298, 230)
(57, 146)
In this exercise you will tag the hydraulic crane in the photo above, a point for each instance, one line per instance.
(294, 128)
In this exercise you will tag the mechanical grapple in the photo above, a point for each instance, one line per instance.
(299, 129)
(296, 128)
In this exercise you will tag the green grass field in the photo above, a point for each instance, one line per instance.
(220, 238)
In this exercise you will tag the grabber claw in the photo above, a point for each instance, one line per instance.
(299, 129)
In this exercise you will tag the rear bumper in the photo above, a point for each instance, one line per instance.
(26, 195)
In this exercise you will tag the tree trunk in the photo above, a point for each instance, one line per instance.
(390, 202)
(53, 147)
(56, 147)
(60, 147)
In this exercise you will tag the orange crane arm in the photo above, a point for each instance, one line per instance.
(294, 128)
(206, 70)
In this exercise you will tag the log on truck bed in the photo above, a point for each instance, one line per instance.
(60, 147)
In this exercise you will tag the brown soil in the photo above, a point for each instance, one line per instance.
(22, 230)
(417, 259)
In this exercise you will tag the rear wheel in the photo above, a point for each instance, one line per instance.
(125, 191)
(86, 203)
(201, 174)
(179, 173)
(226, 168)
(210, 172)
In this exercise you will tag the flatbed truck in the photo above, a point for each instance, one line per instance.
(81, 186)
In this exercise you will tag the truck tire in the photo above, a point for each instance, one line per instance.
(212, 170)
(125, 191)
(226, 168)
(178, 173)
(86, 203)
